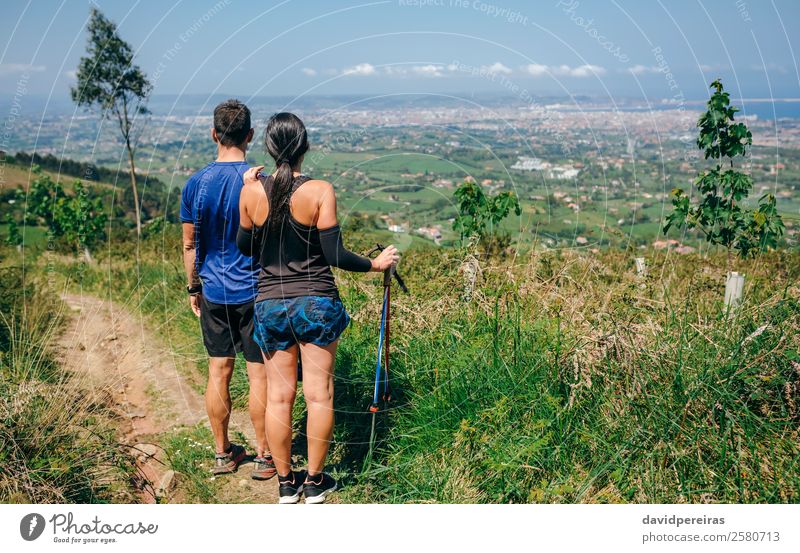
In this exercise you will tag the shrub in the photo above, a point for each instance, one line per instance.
(77, 222)
(480, 214)
(719, 214)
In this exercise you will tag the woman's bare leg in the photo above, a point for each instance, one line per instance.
(318, 391)
(281, 389)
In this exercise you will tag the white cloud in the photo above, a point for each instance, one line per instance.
(429, 70)
(714, 68)
(309, 72)
(12, 68)
(641, 69)
(362, 69)
(401, 71)
(495, 69)
(439, 70)
(586, 70)
(71, 74)
(771, 67)
(394, 71)
(536, 69)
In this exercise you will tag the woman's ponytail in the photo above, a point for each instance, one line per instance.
(286, 141)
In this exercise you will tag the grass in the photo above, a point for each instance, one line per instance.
(57, 440)
(188, 451)
(34, 237)
(565, 379)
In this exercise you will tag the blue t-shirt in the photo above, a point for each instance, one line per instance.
(210, 200)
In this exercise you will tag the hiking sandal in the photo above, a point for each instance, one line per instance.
(264, 468)
(229, 462)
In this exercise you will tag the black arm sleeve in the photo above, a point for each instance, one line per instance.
(244, 240)
(337, 255)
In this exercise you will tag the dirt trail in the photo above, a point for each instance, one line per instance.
(117, 353)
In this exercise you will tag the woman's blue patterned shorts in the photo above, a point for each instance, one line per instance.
(281, 323)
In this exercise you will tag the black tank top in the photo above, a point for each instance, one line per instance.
(292, 262)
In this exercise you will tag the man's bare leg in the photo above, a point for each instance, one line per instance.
(218, 400)
(257, 404)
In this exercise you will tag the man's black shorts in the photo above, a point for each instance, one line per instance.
(228, 330)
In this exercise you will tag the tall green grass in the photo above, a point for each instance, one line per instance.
(569, 380)
(565, 379)
(57, 439)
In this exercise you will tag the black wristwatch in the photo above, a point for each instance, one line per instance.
(194, 290)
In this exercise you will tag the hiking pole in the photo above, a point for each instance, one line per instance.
(382, 362)
(383, 345)
(374, 406)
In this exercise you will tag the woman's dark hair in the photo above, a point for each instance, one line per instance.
(286, 140)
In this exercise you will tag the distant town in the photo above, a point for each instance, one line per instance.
(587, 175)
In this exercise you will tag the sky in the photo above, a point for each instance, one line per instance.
(607, 49)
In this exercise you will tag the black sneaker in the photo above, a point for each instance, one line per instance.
(291, 486)
(317, 487)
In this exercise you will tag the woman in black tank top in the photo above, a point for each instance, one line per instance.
(289, 221)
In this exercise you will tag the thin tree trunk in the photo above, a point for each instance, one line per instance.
(125, 126)
(135, 191)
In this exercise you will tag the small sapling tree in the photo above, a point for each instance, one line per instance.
(719, 213)
(479, 214)
(76, 221)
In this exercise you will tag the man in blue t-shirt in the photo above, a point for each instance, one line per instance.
(222, 285)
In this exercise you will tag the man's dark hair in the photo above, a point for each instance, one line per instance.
(232, 122)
